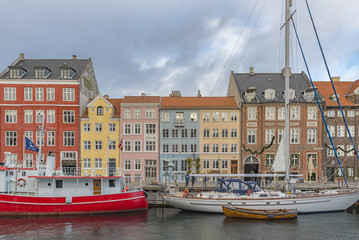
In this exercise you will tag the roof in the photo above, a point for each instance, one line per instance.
(141, 99)
(54, 65)
(276, 81)
(353, 87)
(341, 87)
(116, 102)
(198, 102)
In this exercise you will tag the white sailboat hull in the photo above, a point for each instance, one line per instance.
(304, 204)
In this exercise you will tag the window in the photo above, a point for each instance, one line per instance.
(10, 116)
(112, 145)
(281, 113)
(87, 127)
(340, 151)
(206, 117)
(39, 139)
(68, 94)
(224, 164)
(40, 114)
(224, 133)
(331, 113)
(312, 136)
(165, 116)
(193, 148)
(51, 138)
(330, 152)
(127, 145)
(215, 148)
(28, 94)
(127, 165)
(28, 160)
(65, 73)
(50, 116)
(215, 116)
(233, 148)
(137, 113)
(233, 133)
(9, 94)
(137, 147)
(40, 73)
(313, 157)
(87, 145)
(39, 94)
(165, 133)
(127, 128)
(351, 113)
(331, 130)
(165, 148)
(340, 131)
(98, 162)
(175, 133)
(312, 113)
(184, 133)
(291, 94)
(150, 146)
(269, 135)
(184, 166)
(193, 116)
(150, 129)
(98, 145)
(251, 136)
(50, 94)
(29, 135)
(339, 114)
(270, 113)
(184, 148)
(179, 121)
(112, 127)
(224, 148)
(137, 129)
(352, 130)
(294, 113)
(224, 117)
(58, 183)
(350, 150)
(294, 136)
(215, 164)
(127, 113)
(69, 138)
(294, 160)
(98, 127)
(251, 113)
(269, 94)
(206, 133)
(10, 138)
(137, 165)
(174, 148)
(234, 116)
(150, 113)
(206, 164)
(215, 133)
(193, 133)
(99, 111)
(87, 163)
(69, 116)
(15, 73)
(206, 148)
(269, 159)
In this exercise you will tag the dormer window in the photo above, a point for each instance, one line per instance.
(291, 94)
(250, 94)
(17, 72)
(333, 98)
(67, 73)
(269, 94)
(309, 95)
(42, 72)
(99, 111)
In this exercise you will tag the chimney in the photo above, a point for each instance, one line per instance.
(143, 94)
(175, 93)
(22, 56)
(106, 96)
(199, 94)
(251, 71)
(283, 72)
(74, 57)
(336, 79)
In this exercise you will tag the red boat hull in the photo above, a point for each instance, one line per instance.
(26, 205)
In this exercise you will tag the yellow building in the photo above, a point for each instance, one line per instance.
(220, 136)
(100, 137)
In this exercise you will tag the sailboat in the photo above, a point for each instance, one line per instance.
(238, 193)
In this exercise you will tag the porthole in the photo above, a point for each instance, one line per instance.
(86, 184)
(49, 184)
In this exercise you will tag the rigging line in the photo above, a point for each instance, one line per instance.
(317, 98)
(331, 81)
(234, 47)
(250, 38)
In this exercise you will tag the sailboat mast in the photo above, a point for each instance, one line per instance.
(286, 131)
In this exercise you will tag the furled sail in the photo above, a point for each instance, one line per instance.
(279, 161)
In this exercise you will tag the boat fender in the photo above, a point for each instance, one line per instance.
(185, 193)
(249, 192)
(21, 182)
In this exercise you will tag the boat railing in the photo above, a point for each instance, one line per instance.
(133, 182)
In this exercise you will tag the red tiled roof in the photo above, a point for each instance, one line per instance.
(353, 87)
(114, 101)
(141, 99)
(198, 102)
(341, 87)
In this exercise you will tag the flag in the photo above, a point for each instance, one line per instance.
(30, 145)
(120, 146)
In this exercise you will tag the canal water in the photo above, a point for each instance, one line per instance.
(169, 223)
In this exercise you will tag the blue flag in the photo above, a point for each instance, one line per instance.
(30, 145)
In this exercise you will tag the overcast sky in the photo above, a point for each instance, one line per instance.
(156, 46)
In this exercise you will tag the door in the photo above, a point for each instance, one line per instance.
(330, 174)
(234, 166)
(97, 186)
(251, 165)
(112, 167)
(150, 171)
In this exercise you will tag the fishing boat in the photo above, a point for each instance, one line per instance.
(32, 192)
(312, 202)
(237, 212)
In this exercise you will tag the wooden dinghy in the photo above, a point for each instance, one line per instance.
(237, 212)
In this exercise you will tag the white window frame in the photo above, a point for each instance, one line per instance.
(51, 116)
(39, 94)
(50, 94)
(251, 113)
(9, 93)
(312, 136)
(69, 138)
(51, 138)
(312, 113)
(270, 113)
(150, 113)
(68, 94)
(10, 116)
(27, 94)
(87, 127)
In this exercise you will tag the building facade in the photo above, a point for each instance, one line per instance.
(100, 137)
(48, 94)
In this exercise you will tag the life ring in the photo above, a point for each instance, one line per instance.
(21, 182)
(249, 192)
(185, 193)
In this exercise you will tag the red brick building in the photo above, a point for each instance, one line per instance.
(57, 89)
